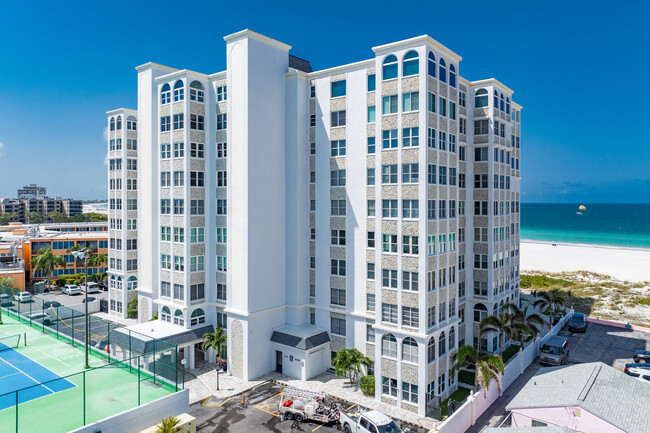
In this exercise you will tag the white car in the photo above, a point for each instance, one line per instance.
(5, 299)
(23, 297)
(92, 288)
(71, 289)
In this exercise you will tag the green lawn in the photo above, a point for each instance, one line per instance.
(459, 395)
(466, 377)
(510, 352)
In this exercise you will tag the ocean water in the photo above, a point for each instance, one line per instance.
(626, 225)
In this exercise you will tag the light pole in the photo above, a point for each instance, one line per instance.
(81, 255)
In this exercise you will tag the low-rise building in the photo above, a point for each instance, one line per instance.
(589, 397)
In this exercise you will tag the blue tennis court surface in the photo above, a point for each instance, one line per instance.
(18, 371)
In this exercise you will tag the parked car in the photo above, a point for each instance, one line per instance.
(371, 421)
(557, 317)
(71, 289)
(41, 316)
(641, 356)
(23, 297)
(5, 300)
(102, 286)
(90, 299)
(578, 323)
(554, 351)
(92, 288)
(638, 371)
(51, 304)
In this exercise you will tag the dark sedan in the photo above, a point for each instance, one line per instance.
(578, 323)
(641, 356)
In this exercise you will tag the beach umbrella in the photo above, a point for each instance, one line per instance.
(582, 207)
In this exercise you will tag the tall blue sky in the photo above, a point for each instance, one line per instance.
(578, 68)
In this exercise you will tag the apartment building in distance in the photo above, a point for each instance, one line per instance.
(372, 205)
(33, 198)
(122, 210)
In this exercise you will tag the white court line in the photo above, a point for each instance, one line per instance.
(8, 375)
(36, 381)
(50, 356)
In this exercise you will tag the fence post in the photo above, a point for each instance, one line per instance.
(72, 328)
(108, 341)
(176, 366)
(84, 395)
(57, 322)
(154, 361)
(16, 411)
(130, 353)
(138, 361)
(30, 313)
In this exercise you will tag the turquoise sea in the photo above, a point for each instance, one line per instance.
(626, 225)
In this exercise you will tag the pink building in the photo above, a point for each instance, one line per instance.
(590, 397)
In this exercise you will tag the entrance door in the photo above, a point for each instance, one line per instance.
(278, 361)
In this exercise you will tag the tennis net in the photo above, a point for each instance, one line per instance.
(10, 342)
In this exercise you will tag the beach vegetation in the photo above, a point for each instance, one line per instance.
(542, 282)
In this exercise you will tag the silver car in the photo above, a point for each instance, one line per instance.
(554, 351)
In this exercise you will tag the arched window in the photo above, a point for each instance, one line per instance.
(411, 64)
(198, 317)
(507, 105)
(389, 346)
(196, 91)
(179, 319)
(131, 123)
(442, 344)
(112, 123)
(452, 75)
(442, 76)
(132, 283)
(496, 100)
(431, 64)
(480, 312)
(502, 104)
(165, 314)
(111, 282)
(481, 98)
(409, 350)
(179, 91)
(452, 338)
(118, 283)
(165, 94)
(431, 350)
(389, 70)
(119, 123)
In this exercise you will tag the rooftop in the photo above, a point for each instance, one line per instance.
(592, 386)
(547, 429)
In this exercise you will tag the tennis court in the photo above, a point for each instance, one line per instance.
(18, 371)
(44, 386)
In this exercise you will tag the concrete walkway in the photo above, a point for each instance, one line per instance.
(496, 413)
(202, 382)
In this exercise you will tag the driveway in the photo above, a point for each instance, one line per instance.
(607, 344)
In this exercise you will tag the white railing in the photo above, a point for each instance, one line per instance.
(477, 403)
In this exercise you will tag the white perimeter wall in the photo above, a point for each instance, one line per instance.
(142, 417)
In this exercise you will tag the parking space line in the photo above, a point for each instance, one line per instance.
(263, 406)
(212, 405)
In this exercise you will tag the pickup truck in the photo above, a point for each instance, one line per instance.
(372, 421)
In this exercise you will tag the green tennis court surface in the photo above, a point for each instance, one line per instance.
(100, 392)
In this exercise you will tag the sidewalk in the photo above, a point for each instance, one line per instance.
(202, 383)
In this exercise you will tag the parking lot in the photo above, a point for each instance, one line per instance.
(610, 345)
(260, 413)
(66, 300)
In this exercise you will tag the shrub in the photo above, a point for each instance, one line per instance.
(132, 309)
(542, 281)
(367, 384)
(62, 281)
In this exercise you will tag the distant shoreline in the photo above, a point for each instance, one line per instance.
(574, 244)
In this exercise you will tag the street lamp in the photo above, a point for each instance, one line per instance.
(81, 255)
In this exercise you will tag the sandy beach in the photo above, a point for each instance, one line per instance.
(626, 264)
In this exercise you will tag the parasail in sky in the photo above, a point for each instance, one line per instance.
(582, 207)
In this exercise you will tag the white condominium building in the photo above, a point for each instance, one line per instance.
(372, 205)
(122, 209)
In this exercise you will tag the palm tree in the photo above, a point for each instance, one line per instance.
(216, 341)
(45, 262)
(488, 367)
(168, 425)
(349, 362)
(532, 322)
(551, 299)
(502, 325)
(98, 260)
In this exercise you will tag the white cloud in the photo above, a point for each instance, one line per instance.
(106, 133)
(2, 148)
(106, 159)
